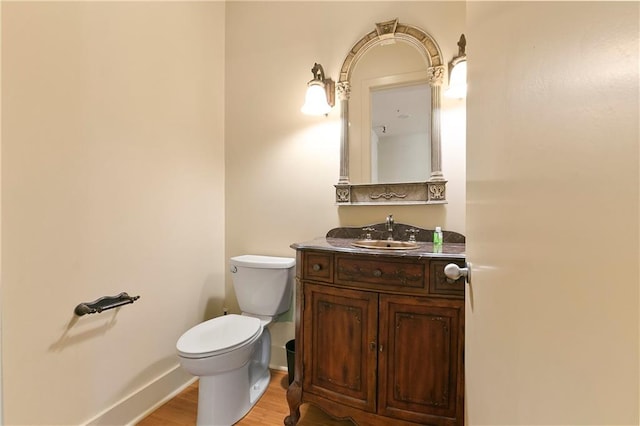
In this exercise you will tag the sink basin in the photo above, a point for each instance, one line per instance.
(385, 244)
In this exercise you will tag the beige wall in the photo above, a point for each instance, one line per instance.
(130, 163)
(1, 395)
(281, 164)
(118, 175)
(112, 180)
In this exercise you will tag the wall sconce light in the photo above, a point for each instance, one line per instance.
(320, 97)
(458, 72)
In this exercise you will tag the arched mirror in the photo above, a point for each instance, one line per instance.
(389, 91)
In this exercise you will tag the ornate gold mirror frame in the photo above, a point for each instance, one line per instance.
(433, 191)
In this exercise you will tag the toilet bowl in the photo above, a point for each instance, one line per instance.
(231, 353)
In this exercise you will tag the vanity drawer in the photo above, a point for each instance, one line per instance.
(407, 276)
(318, 267)
(439, 284)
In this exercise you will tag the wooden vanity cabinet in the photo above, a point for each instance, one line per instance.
(340, 350)
(420, 359)
(379, 339)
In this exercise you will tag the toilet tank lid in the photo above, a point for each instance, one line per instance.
(267, 262)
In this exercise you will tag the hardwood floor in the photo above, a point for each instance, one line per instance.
(270, 410)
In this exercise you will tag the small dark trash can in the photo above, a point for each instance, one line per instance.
(291, 358)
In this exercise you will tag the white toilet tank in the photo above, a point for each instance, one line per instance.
(263, 284)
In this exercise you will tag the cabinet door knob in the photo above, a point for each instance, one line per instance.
(377, 273)
(372, 346)
(316, 267)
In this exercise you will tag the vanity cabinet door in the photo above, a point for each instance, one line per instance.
(340, 341)
(421, 360)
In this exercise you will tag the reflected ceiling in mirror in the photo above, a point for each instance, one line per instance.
(399, 134)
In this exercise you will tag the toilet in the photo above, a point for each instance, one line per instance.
(231, 353)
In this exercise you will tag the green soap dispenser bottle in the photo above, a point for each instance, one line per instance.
(437, 240)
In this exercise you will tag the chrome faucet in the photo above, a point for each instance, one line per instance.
(390, 227)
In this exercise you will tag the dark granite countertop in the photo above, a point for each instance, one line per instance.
(378, 231)
(343, 245)
(341, 239)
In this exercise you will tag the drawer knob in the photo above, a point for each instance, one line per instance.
(316, 267)
(377, 273)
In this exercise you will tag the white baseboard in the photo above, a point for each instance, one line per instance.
(281, 332)
(278, 368)
(278, 359)
(141, 403)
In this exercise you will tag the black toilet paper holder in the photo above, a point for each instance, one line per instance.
(104, 303)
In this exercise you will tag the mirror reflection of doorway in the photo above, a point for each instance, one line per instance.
(400, 149)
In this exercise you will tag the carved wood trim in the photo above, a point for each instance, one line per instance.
(392, 193)
(394, 30)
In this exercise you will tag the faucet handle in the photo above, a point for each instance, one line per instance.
(368, 231)
(412, 234)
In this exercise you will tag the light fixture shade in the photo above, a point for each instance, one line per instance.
(315, 101)
(458, 81)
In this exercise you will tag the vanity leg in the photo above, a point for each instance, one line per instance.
(294, 397)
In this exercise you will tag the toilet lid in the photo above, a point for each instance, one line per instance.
(221, 334)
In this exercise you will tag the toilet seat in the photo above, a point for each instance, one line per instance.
(219, 335)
